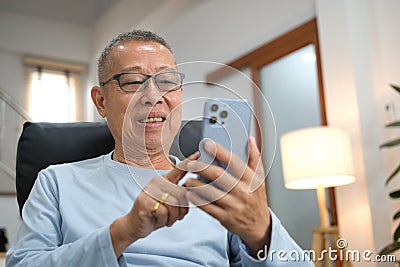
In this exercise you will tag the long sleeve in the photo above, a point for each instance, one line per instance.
(40, 239)
(280, 241)
(67, 216)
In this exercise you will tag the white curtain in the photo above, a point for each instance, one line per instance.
(51, 95)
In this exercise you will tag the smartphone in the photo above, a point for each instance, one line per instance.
(227, 122)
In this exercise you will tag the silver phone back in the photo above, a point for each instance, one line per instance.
(226, 121)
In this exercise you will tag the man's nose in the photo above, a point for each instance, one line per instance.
(151, 95)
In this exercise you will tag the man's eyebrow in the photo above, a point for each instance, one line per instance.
(171, 67)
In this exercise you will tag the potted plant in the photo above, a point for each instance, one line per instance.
(395, 245)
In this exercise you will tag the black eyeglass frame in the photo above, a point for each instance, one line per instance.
(143, 85)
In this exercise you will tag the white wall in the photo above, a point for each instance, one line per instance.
(389, 64)
(359, 58)
(10, 218)
(42, 37)
(21, 36)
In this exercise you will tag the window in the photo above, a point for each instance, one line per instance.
(52, 93)
(51, 98)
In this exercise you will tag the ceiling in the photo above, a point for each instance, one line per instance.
(82, 12)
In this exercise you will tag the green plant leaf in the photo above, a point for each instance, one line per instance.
(396, 171)
(390, 248)
(391, 143)
(395, 194)
(393, 124)
(397, 215)
(395, 87)
(396, 234)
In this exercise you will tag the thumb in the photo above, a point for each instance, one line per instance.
(179, 171)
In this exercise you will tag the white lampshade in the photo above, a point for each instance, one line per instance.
(317, 156)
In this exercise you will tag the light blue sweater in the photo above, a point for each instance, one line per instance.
(67, 216)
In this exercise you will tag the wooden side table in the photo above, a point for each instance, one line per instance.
(2, 259)
(323, 239)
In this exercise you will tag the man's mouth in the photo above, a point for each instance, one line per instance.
(152, 120)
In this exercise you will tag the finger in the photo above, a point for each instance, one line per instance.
(173, 211)
(160, 215)
(216, 175)
(174, 191)
(161, 190)
(256, 164)
(255, 161)
(208, 192)
(178, 172)
(168, 184)
(210, 208)
(234, 163)
(183, 211)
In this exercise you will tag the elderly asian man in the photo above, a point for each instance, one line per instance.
(136, 206)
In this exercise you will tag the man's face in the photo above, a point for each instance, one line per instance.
(149, 118)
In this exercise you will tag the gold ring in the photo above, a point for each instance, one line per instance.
(164, 198)
(155, 208)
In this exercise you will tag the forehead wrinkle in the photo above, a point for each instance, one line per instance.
(142, 69)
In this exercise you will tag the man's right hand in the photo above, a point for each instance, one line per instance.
(145, 217)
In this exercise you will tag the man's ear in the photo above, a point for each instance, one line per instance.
(99, 100)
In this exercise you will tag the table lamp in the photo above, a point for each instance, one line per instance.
(317, 158)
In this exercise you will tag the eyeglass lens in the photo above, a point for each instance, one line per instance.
(167, 81)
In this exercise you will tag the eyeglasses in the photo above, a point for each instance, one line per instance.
(136, 82)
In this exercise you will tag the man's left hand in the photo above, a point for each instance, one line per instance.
(241, 209)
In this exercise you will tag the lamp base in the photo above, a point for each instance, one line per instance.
(325, 239)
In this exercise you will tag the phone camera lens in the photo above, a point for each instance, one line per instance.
(214, 107)
(213, 120)
(224, 114)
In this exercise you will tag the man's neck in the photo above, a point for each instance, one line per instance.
(157, 161)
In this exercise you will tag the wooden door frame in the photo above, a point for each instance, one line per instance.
(283, 45)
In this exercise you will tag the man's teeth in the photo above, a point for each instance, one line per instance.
(150, 120)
